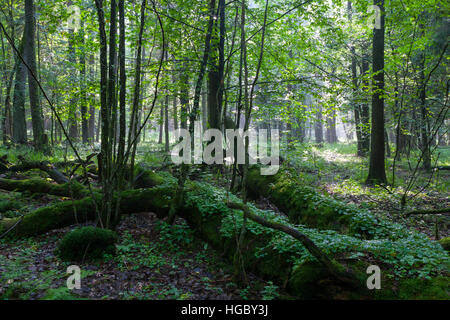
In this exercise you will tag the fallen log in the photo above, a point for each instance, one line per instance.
(45, 166)
(274, 265)
(305, 205)
(71, 189)
(71, 212)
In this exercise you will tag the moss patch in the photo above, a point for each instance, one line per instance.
(445, 243)
(86, 243)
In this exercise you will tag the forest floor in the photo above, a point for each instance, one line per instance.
(155, 261)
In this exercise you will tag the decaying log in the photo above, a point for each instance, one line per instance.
(70, 189)
(70, 212)
(53, 173)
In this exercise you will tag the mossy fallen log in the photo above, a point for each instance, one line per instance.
(303, 204)
(445, 243)
(274, 255)
(77, 211)
(45, 166)
(35, 185)
(272, 264)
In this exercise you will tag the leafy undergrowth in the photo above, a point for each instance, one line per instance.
(153, 261)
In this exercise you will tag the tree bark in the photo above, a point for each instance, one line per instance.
(19, 122)
(377, 173)
(37, 121)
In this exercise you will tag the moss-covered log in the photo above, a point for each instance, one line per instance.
(270, 263)
(304, 205)
(70, 212)
(70, 189)
(50, 169)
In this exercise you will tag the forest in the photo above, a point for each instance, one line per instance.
(224, 150)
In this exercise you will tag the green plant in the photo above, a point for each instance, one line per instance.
(270, 291)
(174, 236)
(62, 293)
(244, 293)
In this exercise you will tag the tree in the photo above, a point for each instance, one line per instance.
(18, 109)
(377, 173)
(37, 121)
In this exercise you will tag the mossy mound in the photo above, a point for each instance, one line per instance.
(445, 243)
(145, 178)
(86, 243)
(7, 205)
(437, 288)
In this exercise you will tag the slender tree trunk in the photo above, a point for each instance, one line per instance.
(175, 113)
(365, 117)
(73, 121)
(166, 123)
(424, 123)
(377, 173)
(19, 122)
(161, 124)
(37, 121)
(331, 128)
(83, 100)
(318, 126)
(91, 122)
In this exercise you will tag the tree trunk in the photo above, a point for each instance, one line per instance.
(377, 173)
(19, 122)
(365, 117)
(318, 126)
(83, 100)
(73, 118)
(37, 121)
(331, 128)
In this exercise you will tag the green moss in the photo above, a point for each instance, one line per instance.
(145, 178)
(60, 294)
(445, 243)
(7, 205)
(306, 279)
(37, 185)
(86, 243)
(437, 288)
